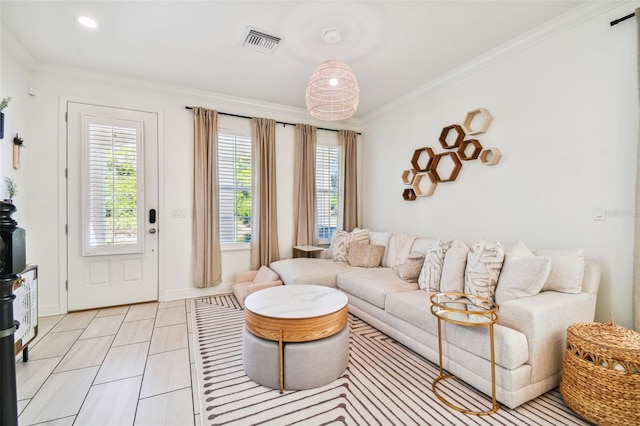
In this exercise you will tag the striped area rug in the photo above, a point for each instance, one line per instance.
(384, 384)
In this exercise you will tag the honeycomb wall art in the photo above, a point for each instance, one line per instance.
(430, 168)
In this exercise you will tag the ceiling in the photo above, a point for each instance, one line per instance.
(393, 47)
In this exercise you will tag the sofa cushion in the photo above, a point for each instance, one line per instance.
(265, 275)
(455, 261)
(431, 271)
(410, 269)
(399, 247)
(484, 263)
(522, 274)
(365, 255)
(567, 270)
(511, 349)
(373, 285)
(310, 271)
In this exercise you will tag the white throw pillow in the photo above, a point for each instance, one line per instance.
(484, 263)
(453, 267)
(399, 247)
(380, 239)
(265, 275)
(567, 270)
(521, 276)
(431, 271)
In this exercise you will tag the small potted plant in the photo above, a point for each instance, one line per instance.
(3, 104)
(10, 188)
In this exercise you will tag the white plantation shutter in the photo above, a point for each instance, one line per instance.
(112, 186)
(234, 174)
(327, 190)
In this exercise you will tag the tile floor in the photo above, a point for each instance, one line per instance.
(128, 365)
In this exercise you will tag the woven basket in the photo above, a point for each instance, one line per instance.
(601, 376)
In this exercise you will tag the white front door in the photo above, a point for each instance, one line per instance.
(112, 202)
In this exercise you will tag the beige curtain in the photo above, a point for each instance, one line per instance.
(636, 257)
(264, 228)
(349, 145)
(207, 263)
(305, 215)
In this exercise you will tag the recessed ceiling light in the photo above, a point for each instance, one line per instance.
(85, 21)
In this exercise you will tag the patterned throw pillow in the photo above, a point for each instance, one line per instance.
(410, 269)
(484, 263)
(341, 242)
(365, 255)
(431, 271)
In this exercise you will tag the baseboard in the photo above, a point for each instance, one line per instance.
(189, 293)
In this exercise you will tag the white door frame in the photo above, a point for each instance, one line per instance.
(63, 193)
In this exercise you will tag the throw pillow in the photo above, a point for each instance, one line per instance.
(455, 260)
(380, 239)
(265, 275)
(365, 255)
(431, 271)
(399, 247)
(410, 269)
(342, 240)
(567, 270)
(521, 276)
(484, 263)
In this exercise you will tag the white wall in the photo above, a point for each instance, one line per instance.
(44, 163)
(566, 120)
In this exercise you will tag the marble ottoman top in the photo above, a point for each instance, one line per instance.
(296, 301)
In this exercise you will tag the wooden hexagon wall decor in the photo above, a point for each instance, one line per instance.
(429, 169)
(408, 176)
(445, 167)
(409, 194)
(445, 138)
(490, 156)
(482, 119)
(422, 159)
(424, 184)
(464, 147)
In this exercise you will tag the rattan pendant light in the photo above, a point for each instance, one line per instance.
(333, 93)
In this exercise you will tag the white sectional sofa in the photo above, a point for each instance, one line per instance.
(529, 336)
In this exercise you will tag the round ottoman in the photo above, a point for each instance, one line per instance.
(601, 375)
(306, 364)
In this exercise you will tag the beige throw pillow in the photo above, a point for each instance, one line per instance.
(341, 242)
(522, 274)
(431, 271)
(410, 269)
(365, 255)
(265, 275)
(484, 263)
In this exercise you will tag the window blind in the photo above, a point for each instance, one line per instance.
(327, 189)
(234, 174)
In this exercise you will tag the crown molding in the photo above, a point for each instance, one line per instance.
(13, 46)
(204, 98)
(552, 28)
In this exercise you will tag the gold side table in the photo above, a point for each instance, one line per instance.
(458, 308)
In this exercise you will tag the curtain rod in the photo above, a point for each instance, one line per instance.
(279, 122)
(624, 18)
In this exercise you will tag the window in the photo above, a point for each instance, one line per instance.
(234, 174)
(327, 190)
(112, 186)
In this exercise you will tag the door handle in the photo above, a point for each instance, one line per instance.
(153, 230)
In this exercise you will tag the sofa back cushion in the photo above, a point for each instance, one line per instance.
(365, 255)
(380, 239)
(422, 245)
(453, 268)
(567, 270)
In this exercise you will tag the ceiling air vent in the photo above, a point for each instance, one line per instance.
(261, 41)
